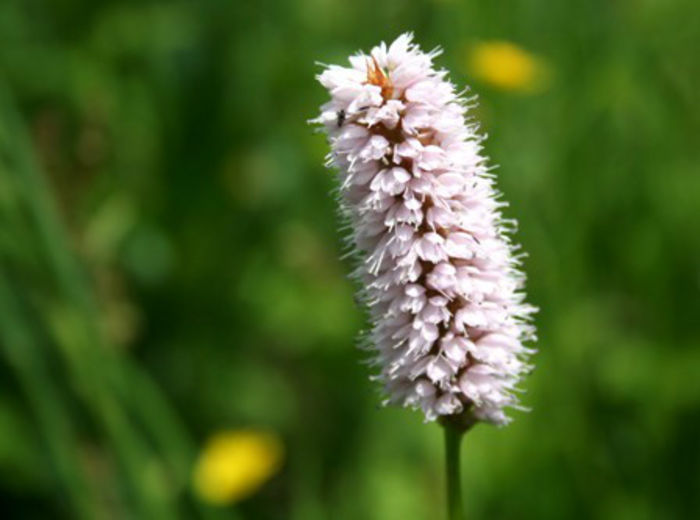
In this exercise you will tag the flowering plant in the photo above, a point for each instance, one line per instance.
(439, 273)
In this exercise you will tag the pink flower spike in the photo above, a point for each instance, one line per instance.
(438, 271)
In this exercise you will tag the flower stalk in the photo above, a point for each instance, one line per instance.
(453, 443)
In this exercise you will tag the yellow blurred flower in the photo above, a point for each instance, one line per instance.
(506, 66)
(234, 464)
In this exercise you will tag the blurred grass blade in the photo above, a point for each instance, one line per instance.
(51, 414)
(70, 317)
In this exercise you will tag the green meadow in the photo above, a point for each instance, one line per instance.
(170, 261)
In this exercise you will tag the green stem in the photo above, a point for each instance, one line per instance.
(453, 441)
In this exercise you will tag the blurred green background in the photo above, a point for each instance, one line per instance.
(169, 260)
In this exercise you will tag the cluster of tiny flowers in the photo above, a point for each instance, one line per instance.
(439, 274)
